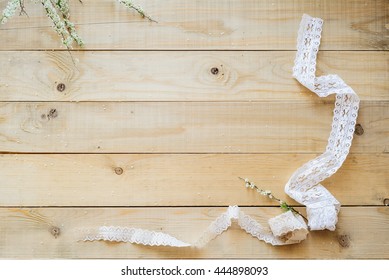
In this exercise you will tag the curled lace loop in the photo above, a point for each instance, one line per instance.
(304, 185)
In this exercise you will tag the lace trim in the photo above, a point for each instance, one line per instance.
(286, 228)
(132, 235)
(304, 185)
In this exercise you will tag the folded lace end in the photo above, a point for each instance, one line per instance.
(322, 218)
(288, 228)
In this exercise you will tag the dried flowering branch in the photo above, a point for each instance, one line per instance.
(10, 10)
(58, 12)
(63, 7)
(130, 5)
(269, 194)
(58, 23)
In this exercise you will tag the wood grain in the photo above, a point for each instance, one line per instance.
(26, 233)
(136, 130)
(181, 75)
(182, 127)
(224, 24)
(176, 180)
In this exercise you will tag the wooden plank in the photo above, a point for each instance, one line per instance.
(25, 233)
(182, 127)
(224, 24)
(155, 76)
(176, 180)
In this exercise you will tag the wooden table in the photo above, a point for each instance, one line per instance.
(152, 124)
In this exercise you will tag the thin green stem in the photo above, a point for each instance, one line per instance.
(22, 8)
(269, 194)
(142, 13)
(130, 5)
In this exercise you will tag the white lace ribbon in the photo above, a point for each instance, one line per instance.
(286, 228)
(304, 185)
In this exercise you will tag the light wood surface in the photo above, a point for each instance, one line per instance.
(28, 234)
(183, 127)
(176, 179)
(222, 24)
(151, 124)
(181, 75)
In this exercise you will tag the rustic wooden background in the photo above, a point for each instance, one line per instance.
(142, 133)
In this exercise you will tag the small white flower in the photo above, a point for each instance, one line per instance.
(9, 10)
(68, 41)
(261, 192)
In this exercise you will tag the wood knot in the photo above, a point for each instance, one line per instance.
(359, 129)
(53, 113)
(214, 70)
(344, 240)
(386, 201)
(118, 170)
(55, 231)
(61, 87)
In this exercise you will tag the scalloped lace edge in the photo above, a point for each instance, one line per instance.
(286, 228)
